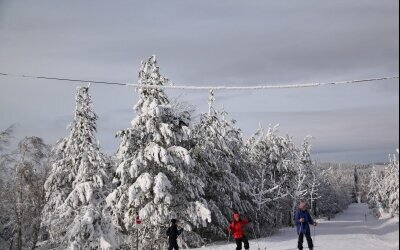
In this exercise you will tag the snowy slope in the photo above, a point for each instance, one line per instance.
(347, 230)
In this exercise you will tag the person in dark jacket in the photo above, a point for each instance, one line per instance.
(237, 228)
(303, 221)
(173, 232)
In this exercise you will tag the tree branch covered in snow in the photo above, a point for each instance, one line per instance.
(5, 137)
(22, 193)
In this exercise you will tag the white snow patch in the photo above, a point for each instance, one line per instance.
(161, 187)
(348, 230)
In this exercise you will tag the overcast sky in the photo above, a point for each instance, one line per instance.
(210, 43)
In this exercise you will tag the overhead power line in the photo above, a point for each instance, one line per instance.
(192, 87)
(62, 79)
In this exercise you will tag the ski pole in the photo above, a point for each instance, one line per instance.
(255, 236)
(183, 241)
(229, 236)
(314, 234)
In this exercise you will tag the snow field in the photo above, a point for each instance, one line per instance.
(348, 230)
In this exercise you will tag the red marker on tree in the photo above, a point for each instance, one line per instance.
(138, 220)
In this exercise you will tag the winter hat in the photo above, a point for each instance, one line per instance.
(302, 205)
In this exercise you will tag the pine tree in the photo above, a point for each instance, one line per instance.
(375, 197)
(76, 187)
(391, 186)
(154, 177)
(218, 153)
(328, 203)
(383, 195)
(336, 189)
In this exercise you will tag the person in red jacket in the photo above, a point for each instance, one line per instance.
(237, 228)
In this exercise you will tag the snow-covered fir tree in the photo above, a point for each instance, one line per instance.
(155, 173)
(363, 179)
(383, 195)
(391, 186)
(240, 165)
(375, 194)
(76, 188)
(336, 189)
(218, 155)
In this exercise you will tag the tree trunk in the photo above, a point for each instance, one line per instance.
(19, 217)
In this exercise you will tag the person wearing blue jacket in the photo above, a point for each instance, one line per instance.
(303, 221)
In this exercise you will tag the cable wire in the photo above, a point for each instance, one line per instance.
(192, 87)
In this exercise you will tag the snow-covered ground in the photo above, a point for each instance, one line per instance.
(347, 230)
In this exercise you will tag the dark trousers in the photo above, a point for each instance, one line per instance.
(239, 243)
(173, 244)
(309, 240)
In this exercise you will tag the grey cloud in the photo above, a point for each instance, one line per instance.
(210, 42)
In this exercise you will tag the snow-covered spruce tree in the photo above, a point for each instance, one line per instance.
(336, 189)
(218, 153)
(363, 176)
(155, 174)
(76, 187)
(273, 160)
(391, 186)
(375, 194)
